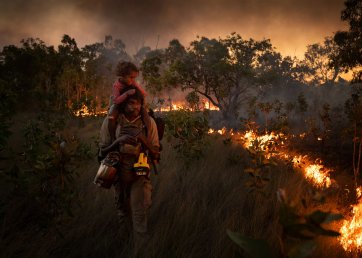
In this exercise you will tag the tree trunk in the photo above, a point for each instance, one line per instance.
(230, 115)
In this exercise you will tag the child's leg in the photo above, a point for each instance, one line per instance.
(112, 121)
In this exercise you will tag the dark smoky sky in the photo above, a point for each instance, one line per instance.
(291, 25)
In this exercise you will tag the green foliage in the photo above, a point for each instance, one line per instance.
(265, 108)
(259, 173)
(256, 248)
(318, 58)
(193, 100)
(57, 78)
(350, 42)
(45, 174)
(302, 250)
(300, 230)
(188, 129)
(225, 71)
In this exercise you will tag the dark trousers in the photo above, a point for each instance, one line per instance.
(133, 199)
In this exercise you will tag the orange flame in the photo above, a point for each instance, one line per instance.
(182, 105)
(318, 175)
(351, 231)
(222, 131)
(314, 172)
(84, 111)
(359, 192)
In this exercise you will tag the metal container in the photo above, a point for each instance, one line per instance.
(107, 170)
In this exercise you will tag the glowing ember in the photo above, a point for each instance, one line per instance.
(318, 175)
(351, 231)
(222, 131)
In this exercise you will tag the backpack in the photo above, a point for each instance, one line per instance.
(160, 123)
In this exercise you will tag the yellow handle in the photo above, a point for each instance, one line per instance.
(142, 161)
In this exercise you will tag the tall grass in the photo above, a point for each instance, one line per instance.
(192, 208)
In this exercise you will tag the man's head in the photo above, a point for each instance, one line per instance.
(131, 107)
(127, 72)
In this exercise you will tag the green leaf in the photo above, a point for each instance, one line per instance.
(256, 248)
(332, 217)
(320, 217)
(324, 232)
(301, 231)
(304, 249)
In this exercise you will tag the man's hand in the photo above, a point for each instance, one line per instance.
(126, 139)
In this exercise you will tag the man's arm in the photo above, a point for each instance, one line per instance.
(120, 140)
(152, 141)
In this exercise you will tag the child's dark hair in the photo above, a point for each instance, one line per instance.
(125, 68)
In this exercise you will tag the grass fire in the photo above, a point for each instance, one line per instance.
(215, 146)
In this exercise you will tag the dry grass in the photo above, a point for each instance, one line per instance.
(192, 208)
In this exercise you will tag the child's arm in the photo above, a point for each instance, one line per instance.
(120, 98)
(117, 97)
(141, 89)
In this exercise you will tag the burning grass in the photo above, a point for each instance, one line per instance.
(274, 144)
(351, 231)
(314, 172)
(84, 111)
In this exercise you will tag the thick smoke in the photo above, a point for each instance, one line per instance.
(290, 24)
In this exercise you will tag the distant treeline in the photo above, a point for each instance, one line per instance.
(61, 78)
(223, 70)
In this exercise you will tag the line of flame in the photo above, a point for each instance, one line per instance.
(318, 175)
(351, 230)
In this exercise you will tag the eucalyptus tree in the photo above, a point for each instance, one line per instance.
(226, 71)
(349, 42)
(319, 60)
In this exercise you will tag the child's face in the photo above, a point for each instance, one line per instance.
(130, 79)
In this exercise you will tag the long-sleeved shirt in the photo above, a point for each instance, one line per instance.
(118, 98)
(105, 138)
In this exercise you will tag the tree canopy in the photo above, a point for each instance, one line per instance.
(350, 42)
(225, 71)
